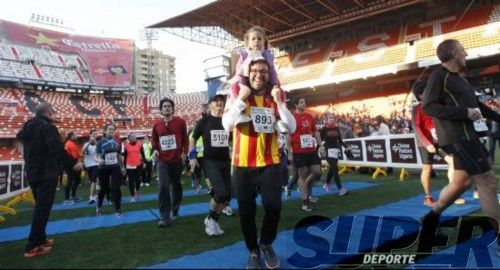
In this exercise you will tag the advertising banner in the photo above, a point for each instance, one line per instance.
(99, 61)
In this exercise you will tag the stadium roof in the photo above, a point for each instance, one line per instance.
(223, 23)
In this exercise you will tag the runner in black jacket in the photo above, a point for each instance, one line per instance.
(450, 100)
(44, 157)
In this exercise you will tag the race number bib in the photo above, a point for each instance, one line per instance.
(333, 152)
(480, 126)
(263, 119)
(168, 142)
(306, 141)
(110, 158)
(219, 138)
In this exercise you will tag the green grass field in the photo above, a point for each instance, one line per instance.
(143, 244)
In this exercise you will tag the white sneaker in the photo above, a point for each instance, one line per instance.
(228, 211)
(313, 199)
(68, 202)
(343, 191)
(210, 228)
(218, 230)
(132, 199)
(460, 201)
(147, 184)
(142, 184)
(475, 195)
(307, 207)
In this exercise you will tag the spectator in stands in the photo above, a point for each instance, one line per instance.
(346, 132)
(44, 155)
(74, 177)
(366, 128)
(450, 99)
(381, 126)
(358, 131)
(91, 164)
(256, 161)
(170, 146)
(330, 135)
(133, 156)
(304, 151)
(109, 156)
(148, 160)
(255, 45)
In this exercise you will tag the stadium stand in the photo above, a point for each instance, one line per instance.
(58, 74)
(8, 153)
(478, 28)
(7, 69)
(40, 56)
(6, 52)
(83, 112)
(20, 61)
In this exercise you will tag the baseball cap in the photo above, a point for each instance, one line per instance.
(216, 97)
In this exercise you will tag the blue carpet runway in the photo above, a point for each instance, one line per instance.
(125, 200)
(103, 221)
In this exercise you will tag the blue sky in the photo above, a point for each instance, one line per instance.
(125, 19)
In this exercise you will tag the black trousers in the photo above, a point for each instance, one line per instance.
(219, 173)
(134, 180)
(333, 171)
(247, 182)
(146, 173)
(170, 183)
(115, 175)
(74, 179)
(44, 192)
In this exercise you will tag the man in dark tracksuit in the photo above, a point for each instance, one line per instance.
(44, 156)
(457, 113)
